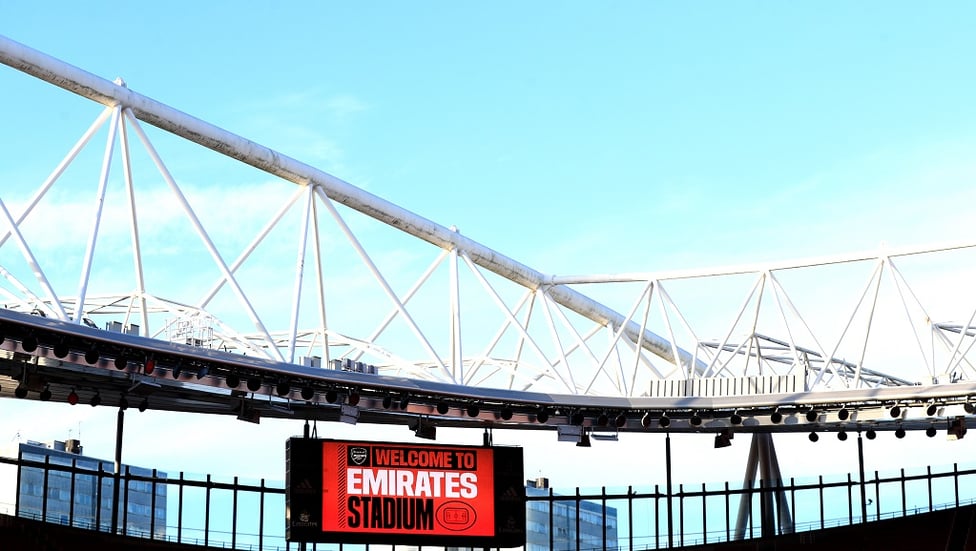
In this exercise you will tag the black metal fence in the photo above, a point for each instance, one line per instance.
(234, 514)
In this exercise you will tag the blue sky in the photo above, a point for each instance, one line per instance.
(575, 137)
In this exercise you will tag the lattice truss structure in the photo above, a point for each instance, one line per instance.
(125, 232)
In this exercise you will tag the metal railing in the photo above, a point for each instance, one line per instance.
(232, 514)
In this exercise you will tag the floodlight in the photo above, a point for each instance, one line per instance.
(96, 399)
(646, 420)
(899, 432)
(144, 405)
(506, 413)
(92, 355)
(21, 391)
(283, 388)
(843, 414)
(723, 439)
(542, 416)
(932, 409)
(253, 384)
(957, 428)
(61, 349)
(695, 420)
(577, 418)
(620, 420)
(443, 408)
(603, 419)
(930, 432)
(348, 414)
(814, 437)
(120, 361)
(812, 415)
(871, 434)
(735, 418)
(664, 421)
(29, 343)
(895, 411)
(353, 398)
(842, 435)
(233, 381)
(776, 417)
(308, 393)
(149, 366)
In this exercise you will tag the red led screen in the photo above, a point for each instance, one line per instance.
(384, 492)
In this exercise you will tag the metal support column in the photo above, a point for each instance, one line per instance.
(762, 460)
(860, 465)
(118, 471)
(667, 464)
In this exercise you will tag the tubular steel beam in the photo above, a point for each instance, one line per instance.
(95, 88)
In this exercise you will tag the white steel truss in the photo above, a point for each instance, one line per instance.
(463, 314)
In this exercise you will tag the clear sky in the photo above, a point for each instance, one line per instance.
(575, 137)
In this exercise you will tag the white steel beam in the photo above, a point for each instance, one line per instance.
(95, 88)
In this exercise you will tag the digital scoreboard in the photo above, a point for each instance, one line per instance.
(342, 491)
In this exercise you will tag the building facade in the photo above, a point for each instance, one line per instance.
(557, 524)
(83, 496)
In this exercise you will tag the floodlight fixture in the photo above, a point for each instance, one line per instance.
(282, 388)
(21, 391)
(388, 401)
(812, 415)
(646, 420)
(932, 409)
(331, 396)
(61, 349)
(541, 416)
(353, 398)
(814, 437)
(120, 361)
(149, 366)
(443, 408)
(843, 413)
(899, 432)
(232, 381)
(96, 399)
(776, 417)
(569, 433)
(506, 413)
(735, 418)
(695, 419)
(45, 394)
(842, 435)
(895, 411)
(202, 372)
(871, 435)
(404, 401)
(308, 393)
(253, 383)
(144, 405)
(424, 429)
(29, 343)
(603, 419)
(957, 428)
(93, 355)
(348, 414)
(664, 421)
(577, 418)
(930, 432)
(969, 407)
(620, 420)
